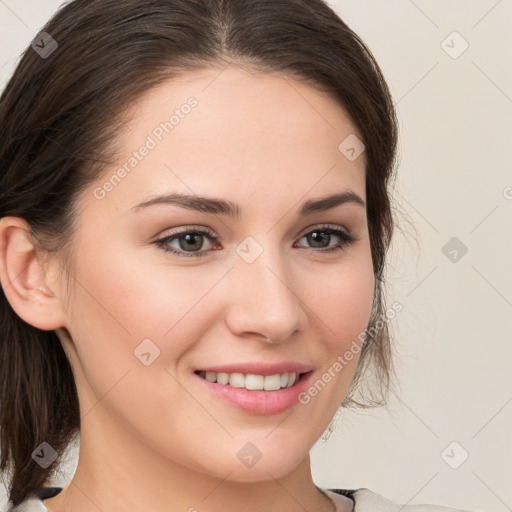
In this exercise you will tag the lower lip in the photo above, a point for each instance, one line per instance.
(258, 401)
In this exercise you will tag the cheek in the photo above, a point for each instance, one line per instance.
(118, 304)
(342, 301)
(341, 298)
(122, 300)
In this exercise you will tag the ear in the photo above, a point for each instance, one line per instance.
(24, 278)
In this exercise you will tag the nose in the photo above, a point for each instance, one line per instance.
(263, 300)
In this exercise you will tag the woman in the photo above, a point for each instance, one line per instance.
(194, 220)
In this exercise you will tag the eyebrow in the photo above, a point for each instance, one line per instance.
(230, 209)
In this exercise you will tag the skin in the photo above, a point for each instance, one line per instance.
(152, 438)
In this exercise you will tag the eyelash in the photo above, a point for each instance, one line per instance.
(346, 237)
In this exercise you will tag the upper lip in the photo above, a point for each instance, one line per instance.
(255, 368)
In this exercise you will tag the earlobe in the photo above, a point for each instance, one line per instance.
(24, 279)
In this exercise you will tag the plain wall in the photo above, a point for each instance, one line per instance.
(452, 340)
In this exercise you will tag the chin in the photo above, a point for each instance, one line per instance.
(249, 464)
(260, 472)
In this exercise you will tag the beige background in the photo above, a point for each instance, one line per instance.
(453, 338)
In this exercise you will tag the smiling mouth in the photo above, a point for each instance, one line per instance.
(253, 382)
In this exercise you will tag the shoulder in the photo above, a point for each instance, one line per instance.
(366, 500)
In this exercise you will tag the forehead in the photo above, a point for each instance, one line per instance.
(228, 132)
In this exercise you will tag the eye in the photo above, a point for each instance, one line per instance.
(188, 240)
(322, 234)
(191, 241)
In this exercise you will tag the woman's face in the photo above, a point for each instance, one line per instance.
(254, 290)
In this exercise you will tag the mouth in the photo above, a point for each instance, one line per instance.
(254, 393)
(253, 382)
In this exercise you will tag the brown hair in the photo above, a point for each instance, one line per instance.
(59, 117)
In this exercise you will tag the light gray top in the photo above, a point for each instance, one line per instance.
(366, 500)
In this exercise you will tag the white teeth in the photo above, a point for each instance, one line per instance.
(254, 381)
(237, 380)
(251, 381)
(272, 382)
(211, 376)
(222, 378)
